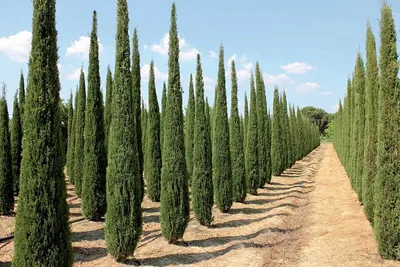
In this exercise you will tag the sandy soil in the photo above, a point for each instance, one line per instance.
(309, 216)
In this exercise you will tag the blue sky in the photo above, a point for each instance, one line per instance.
(306, 47)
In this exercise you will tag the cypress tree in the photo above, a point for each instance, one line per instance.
(95, 164)
(124, 214)
(153, 145)
(144, 126)
(349, 125)
(189, 136)
(70, 133)
(71, 143)
(174, 211)
(163, 108)
(202, 186)
(276, 134)
(107, 109)
(16, 144)
(371, 110)
(42, 231)
(79, 135)
(6, 162)
(262, 128)
(236, 144)
(285, 133)
(221, 157)
(21, 96)
(208, 124)
(387, 196)
(252, 148)
(268, 146)
(246, 119)
(136, 97)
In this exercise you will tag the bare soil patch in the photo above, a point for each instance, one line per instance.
(307, 217)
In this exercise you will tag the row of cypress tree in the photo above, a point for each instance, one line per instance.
(111, 147)
(366, 134)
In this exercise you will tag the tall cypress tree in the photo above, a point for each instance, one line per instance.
(153, 144)
(285, 133)
(6, 162)
(16, 144)
(236, 144)
(95, 164)
(262, 134)
(107, 109)
(189, 136)
(79, 135)
(246, 119)
(42, 231)
(136, 97)
(208, 124)
(221, 157)
(163, 108)
(144, 126)
(71, 142)
(174, 182)
(252, 148)
(202, 186)
(371, 111)
(387, 196)
(70, 133)
(21, 97)
(124, 214)
(276, 134)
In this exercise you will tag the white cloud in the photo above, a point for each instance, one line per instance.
(326, 93)
(307, 87)
(280, 79)
(297, 68)
(212, 54)
(209, 83)
(17, 47)
(186, 53)
(75, 74)
(146, 47)
(145, 73)
(233, 57)
(335, 108)
(244, 72)
(80, 48)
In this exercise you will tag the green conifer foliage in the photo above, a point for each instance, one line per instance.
(174, 182)
(70, 133)
(371, 111)
(71, 143)
(153, 145)
(6, 163)
(387, 196)
(136, 97)
(163, 108)
(252, 148)
(79, 153)
(208, 124)
(95, 163)
(42, 231)
(276, 134)
(246, 120)
(285, 131)
(236, 144)
(21, 96)
(16, 144)
(202, 186)
(124, 214)
(107, 109)
(189, 136)
(144, 126)
(221, 157)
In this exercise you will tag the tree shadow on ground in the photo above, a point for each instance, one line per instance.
(296, 183)
(5, 264)
(242, 222)
(263, 210)
(75, 214)
(151, 218)
(265, 201)
(74, 206)
(276, 188)
(272, 194)
(151, 210)
(88, 235)
(82, 254)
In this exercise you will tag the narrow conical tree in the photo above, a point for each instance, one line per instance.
(153, 145)
(107, 109)
(189, 136)
(6, 163)
(246, 119)
(95, 164)
(174, 182)
(70, 133)
(387, 193)
(124, 214)
(16, 144)
(79, 153)
(136, 97)
(42, 231)
(208, 124)
(163, 108)
(285, 133)
(236, 144)
(262, 128)
(71, 142)
(221, 157)
(268, 146)
(276, 135)
(202, 186)
(21, 96)
(252, 148)
(144, 126)
(371, 111)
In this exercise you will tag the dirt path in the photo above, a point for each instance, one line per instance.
(309, 216)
